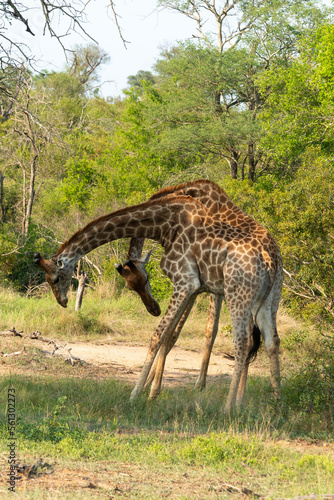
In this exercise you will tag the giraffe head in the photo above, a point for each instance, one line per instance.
(136, 278)
(58, 273)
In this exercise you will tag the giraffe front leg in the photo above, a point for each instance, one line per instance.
(175, 310)
(171, 343)
(211, 330)
(157, 381)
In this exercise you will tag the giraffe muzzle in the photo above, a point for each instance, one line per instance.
(63, 302)
(152, 307)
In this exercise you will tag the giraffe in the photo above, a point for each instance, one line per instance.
(218, 202)
(201, 254)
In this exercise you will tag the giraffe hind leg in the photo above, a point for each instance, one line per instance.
(267, 325)
(241, 336)
(256, 337)
(211, 330)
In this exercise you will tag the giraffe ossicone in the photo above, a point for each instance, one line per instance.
(202, 254)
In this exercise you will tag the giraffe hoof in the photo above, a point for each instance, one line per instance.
(134, 395)
(154, 394)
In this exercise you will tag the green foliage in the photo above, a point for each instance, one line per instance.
(78, 184)
(67, 94)
(17, 268)
(310, 390)
(294, 340)
(54, 427)
(161, 286)
(141, 78)
(201, 111)
(299, 215)
(299, 101)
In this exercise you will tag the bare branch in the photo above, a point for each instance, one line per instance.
(197, 10)
(116, 16)
(71, 13)
(17, 15)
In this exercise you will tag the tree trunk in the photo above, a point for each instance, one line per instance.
(234, 164)
(251, 161)
(2, 208)
(8, 111)
(82, 282)
(218, 106)
(31, 195)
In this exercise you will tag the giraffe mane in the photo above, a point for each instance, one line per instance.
(184, 185)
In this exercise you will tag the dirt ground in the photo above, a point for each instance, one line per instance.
(180, 363)
(121, 360)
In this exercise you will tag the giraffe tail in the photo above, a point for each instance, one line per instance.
(256, 335)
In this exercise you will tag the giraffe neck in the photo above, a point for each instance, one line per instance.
(147, 220)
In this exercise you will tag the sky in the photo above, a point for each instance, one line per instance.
(145, 27)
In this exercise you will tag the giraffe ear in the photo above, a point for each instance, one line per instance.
(37, 257)
(119, 268)
(123, 272)
(147, 258)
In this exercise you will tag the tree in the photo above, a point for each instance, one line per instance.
(85, 61)
(27, 135)
(139, 79)
(299, 100)
(226, 34)
(227, 92)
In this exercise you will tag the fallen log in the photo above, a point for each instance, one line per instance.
(73, 360)
(11, 333)
(23, 351)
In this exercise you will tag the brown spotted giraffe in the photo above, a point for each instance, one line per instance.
(218, 202)
(202, 254)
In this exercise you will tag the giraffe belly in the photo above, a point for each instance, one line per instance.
(211, 276)
(212, 284)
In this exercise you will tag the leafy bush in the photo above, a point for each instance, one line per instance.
(310, 390)
(53, 427)
(18, 267)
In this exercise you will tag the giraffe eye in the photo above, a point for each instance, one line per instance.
(60, 264)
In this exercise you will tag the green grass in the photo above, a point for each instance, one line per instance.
(122, 317)
(99, 315)
(79, 418)
(91, 420)
(97, 404)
